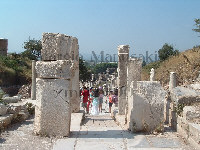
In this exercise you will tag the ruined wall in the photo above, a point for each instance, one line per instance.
(3, 47)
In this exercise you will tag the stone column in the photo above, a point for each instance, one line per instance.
(134, 74)
(33, 85)
(172, 81)
(54, 91)
(152, 75)
(123, 56)
(75, 100)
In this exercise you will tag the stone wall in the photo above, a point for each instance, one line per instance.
(188, 125)
(3, 47)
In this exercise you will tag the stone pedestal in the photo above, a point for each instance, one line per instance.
(33, 85)
(123, 57)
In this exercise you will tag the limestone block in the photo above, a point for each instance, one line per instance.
(57, 46)
(195, 86)
(13, 109)
(146, 106)
(52, 110)
(182, 95)
(191, 113)
(13, 99)
(183, 123)
(60, 69)
(194, 133)
(3, 109)
(5, 120)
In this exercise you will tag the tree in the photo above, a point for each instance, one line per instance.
(197, 24)
(33, 49)
(84, 74)
(102, 67)
(167, 51)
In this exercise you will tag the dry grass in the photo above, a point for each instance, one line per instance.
(186, 65)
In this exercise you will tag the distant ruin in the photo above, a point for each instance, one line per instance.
(3, 47)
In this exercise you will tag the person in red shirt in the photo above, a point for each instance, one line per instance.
(85, 94)
(110, 98)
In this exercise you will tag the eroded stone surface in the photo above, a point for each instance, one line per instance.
(3, 109)
(182, 95)
(147, 103)
(53, 111)
(123, 57)
(57, 46)
(60, 69)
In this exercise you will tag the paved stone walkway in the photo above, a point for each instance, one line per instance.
(102, 133)
(95, 133)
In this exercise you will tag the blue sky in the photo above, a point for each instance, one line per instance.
(99, 25)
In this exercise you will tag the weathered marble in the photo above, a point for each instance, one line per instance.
(172, 80)
(123, 57)
(33, 84)
(152, 75)
(147, 103)
(60, 69)
(57, 46)
(53, 110)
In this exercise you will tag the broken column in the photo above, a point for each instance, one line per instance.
(134, 74)
(54, 85)
(123, 56)
(152, 75)
(33, 85)
(172, 81)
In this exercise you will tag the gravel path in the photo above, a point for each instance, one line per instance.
(20, 136)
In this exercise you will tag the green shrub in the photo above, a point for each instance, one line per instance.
(30, 107)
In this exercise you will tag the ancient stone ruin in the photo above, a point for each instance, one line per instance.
(141, 103)
(56, 96)
(3, 47)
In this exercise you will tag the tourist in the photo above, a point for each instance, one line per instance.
(115, 98)
(85, 94)
(90, 98)
(110, 97)
(101, 95)
(95, 103)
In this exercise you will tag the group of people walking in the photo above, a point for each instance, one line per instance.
(94, 98)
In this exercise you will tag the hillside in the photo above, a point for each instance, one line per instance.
(14, 70)
(186, 64)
